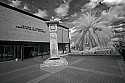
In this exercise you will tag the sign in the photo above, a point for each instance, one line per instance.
(30, 28)
(53, 45)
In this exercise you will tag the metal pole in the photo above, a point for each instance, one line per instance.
(69, 41)
(22, 54)
(4, 51)
(14, 51)
(62, 41)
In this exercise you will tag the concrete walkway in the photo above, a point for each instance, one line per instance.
(81, 69)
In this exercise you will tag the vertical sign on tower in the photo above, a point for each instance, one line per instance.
(53, 42)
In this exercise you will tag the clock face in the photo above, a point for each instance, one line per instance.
(52, 28)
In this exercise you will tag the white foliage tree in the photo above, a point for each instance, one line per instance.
(90, 32)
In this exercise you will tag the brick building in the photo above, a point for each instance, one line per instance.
(22, 33)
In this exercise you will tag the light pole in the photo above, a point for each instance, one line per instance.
(54, 59)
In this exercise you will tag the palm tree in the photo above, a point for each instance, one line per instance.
(90, 31)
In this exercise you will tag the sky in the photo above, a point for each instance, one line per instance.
(61, 9)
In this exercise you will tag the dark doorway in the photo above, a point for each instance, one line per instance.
(28, 52)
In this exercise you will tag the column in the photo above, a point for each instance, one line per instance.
(54, 59)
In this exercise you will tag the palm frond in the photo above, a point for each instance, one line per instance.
(91, 31)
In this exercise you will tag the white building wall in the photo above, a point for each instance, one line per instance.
(11, 22)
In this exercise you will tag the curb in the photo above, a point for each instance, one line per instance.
(63, 54)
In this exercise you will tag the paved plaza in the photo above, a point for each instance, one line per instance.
(81, 69)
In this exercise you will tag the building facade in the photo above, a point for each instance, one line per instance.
(23, 35)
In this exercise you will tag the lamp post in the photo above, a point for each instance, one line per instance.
(54, 59)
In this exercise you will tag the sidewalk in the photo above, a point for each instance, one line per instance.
(81, 69)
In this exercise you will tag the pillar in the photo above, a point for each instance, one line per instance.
(54, 59)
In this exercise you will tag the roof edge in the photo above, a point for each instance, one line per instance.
(21, 11)
(24, 12)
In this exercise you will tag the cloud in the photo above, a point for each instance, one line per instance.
(73, 15)
(114, 14)
(63, 9)
(92, 4)
(14, 3)
(114, 2)
(109, 1)
(26, 7)
(116, 11)
(41, 13)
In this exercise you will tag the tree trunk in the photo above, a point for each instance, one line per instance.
(95, 38)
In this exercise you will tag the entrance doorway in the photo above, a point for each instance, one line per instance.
(28, 52)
